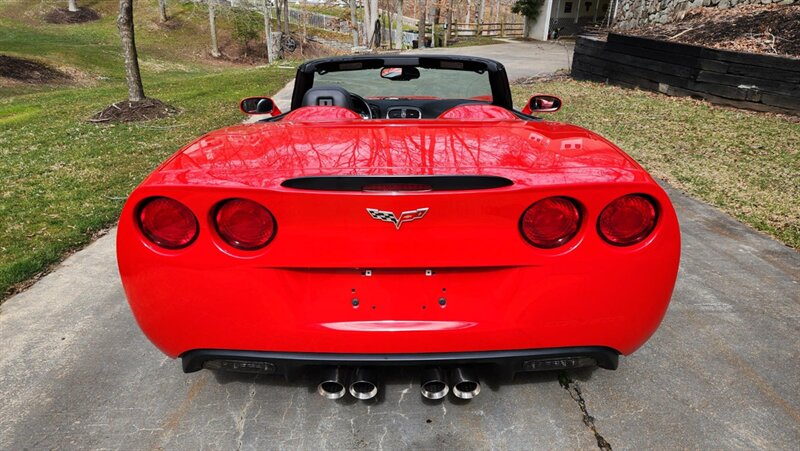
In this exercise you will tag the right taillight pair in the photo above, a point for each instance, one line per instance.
(554, 221)
(241, 223)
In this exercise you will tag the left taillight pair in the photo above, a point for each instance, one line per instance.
(241, 223)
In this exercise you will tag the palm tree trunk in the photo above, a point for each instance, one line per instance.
(132, 75)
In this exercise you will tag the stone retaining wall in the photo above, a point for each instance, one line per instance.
(635, 13)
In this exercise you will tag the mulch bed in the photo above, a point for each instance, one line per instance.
(771, 29)
(28, 71)
(128, 111)
(65, 16)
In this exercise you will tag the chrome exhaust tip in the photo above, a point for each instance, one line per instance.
(433, 384)
(364, 383)
(465, 385)
(332, 383)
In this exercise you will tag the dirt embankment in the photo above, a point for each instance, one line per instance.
(771, 29)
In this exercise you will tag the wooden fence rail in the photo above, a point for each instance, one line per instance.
(501, 29)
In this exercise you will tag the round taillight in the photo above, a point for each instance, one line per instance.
(244, 224)
(551, 222)
(167, 222)
(627, 220)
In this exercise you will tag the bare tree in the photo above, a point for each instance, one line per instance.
(370, 19)
(267, 28)
(285, 16)
(212, 23)
(72, 6)
(132, 75)
(353, 22)
(480, 16)
(162, 10)
(399, 40)
(422, 10)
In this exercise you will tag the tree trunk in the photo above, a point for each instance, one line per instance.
(467, 17)
(212, 23)
(267, 28)
(285, 29)
(278, 13)
(449, 21)
(132, 75)
(370, 18)
(480, 17)
(399, 25)
(71, 6)
(353, 23)
(162, 10)
(422, 9)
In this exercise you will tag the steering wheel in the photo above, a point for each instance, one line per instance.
(368, 111)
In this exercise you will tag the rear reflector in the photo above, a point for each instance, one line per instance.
(244, 224)
(551, 222)
(167, 222)
(627, 220)
(241, 366)
(563, 363)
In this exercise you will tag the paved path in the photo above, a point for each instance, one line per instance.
(521, 59)
(721, 372)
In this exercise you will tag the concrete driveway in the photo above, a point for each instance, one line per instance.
(521, 59)
(721, 372)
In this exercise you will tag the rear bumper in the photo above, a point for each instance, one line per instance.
(466, 282)
(292, 364)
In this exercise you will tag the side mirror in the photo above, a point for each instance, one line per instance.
(542, 103)
(259, 105)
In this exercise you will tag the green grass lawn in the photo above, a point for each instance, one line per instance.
(745, 163)
(64, 178)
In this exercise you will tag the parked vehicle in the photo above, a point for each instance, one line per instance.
(402, 213)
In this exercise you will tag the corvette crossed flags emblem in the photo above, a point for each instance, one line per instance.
(388, 216)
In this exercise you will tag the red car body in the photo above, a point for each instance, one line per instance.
(454, 281)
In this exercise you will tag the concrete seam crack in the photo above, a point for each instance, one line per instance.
(574, 390)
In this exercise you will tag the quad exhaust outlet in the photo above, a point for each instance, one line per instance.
(362, 383)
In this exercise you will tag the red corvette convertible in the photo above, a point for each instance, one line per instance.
(402, 213)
